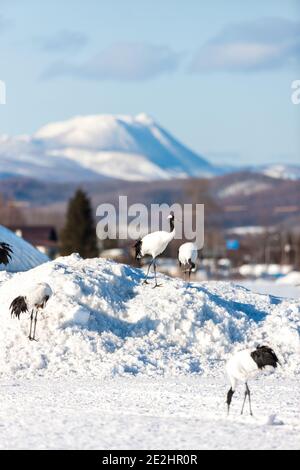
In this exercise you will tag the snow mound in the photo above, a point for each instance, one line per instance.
(24, 256)
(292, 278)
(101, 321)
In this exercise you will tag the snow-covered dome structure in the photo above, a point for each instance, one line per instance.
(24, 256)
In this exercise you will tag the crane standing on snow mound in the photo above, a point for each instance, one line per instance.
(5, 253)
(34, 301)
(154, 244)
(246, 364)
(187, 257)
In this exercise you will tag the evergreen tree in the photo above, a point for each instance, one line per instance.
(79, 233)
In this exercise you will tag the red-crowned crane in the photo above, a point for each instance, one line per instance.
(187, 257)
(154, 244)
(246, 364)
(34, 301)
(5, 253)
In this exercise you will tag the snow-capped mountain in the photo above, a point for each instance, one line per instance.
(101, 146)
(24, 156)
(280, 171)
(24, 256)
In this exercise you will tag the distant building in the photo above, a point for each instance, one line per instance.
(43, 237)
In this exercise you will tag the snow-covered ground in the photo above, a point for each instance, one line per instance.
(263, 271)
(292, 279)
(120, 365)
(275, 288)
(146, 413)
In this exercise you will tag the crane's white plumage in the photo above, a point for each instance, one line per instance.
(244, 365)
(154, 244)
(34, 300)
(187, 256)
(241, 367)
(37, 295)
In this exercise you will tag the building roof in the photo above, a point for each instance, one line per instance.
(37, 235)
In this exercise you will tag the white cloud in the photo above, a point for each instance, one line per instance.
(121, 61)
(63, 41)
(259, 45)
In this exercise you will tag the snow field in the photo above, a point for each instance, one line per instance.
(186, 412)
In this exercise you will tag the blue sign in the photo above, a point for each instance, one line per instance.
(232, 245)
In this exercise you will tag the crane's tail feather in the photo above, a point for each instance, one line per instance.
(138, 249)
(18, 306)
(265, 356)
(5, 253)
(192, 265)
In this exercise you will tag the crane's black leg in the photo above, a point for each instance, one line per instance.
(191, 267)
(229, 398)
(247, 393)
(146, 279)
(156, 285)
(34, 330)
(249, 397)
(187, 274)
(245, 396)
(31, 320)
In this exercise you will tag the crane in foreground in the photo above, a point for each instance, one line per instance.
(247, 364)
(34, 302)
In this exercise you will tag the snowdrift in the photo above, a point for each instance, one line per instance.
(293, 278)
(102, 322)
(24, 256)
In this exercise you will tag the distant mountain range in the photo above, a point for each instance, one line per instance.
(243, 199)
(281, 171)
(105, 147)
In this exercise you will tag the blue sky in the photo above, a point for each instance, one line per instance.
(217, 74)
